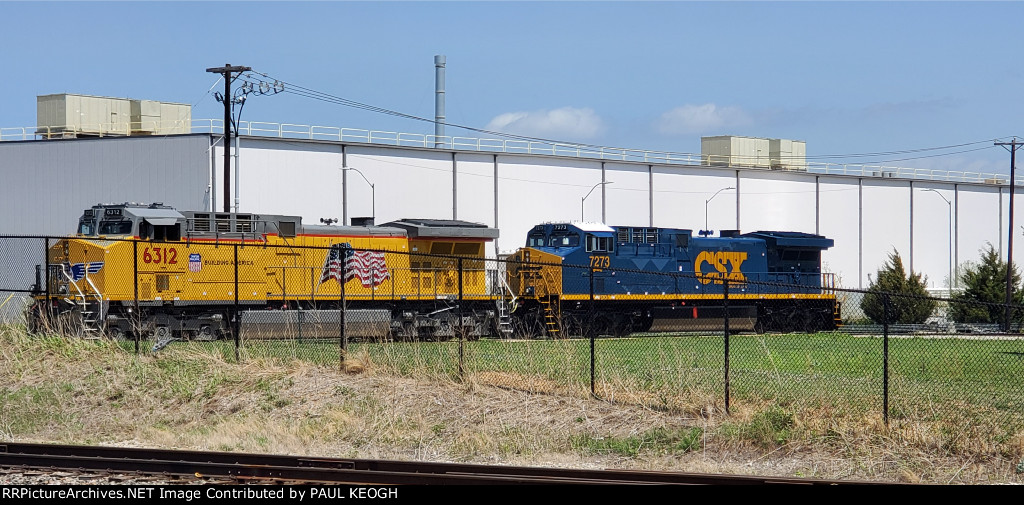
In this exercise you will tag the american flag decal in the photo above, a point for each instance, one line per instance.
(343, 262)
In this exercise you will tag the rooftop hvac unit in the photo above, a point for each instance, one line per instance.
(67, 116)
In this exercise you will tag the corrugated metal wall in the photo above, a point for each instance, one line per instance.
(49, 183)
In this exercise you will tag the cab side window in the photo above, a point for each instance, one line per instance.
(599, 244)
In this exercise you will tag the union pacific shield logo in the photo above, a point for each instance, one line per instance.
(195, 262)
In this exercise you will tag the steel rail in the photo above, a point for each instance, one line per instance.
(299, 469)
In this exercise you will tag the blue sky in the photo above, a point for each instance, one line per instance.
(846, 77)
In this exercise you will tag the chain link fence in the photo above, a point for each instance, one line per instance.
(670, 341)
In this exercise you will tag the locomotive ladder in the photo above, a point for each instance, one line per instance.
(91, 311)
(504, 317)
(828, 282)
(503, 306)
(552, 310)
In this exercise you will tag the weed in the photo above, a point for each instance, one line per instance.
(769, 428)
(656, 441)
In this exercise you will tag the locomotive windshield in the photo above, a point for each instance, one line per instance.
(115, 227)
(565, 241)
(85, 228)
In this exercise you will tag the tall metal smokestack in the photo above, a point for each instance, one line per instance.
(439, 61)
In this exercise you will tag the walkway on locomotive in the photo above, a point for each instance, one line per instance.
(664, 263)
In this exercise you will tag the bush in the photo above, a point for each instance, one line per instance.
(908, 302)
(984, 296)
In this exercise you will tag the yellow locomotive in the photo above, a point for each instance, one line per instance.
(155, 271)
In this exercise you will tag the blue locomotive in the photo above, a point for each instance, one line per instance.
(629, 279)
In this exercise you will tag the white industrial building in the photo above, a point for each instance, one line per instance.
(512, 185)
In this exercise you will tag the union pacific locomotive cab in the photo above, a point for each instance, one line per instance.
(638, 276)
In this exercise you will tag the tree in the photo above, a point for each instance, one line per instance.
(908, 299)
(984, 296)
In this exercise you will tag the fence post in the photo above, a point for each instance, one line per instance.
(135, 280)
(459, 325)
(725, 320)
(589, 323)
(343, 337)
(47, 311)
(885, 358)
(237, 326)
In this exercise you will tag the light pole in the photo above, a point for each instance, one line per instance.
(588, 194)
(373, 192)
(705, 232)
(950, 204)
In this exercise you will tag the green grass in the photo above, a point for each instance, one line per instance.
(975, 384)
(947, 396)
(821, 370)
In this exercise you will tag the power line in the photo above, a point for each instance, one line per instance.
(326, 97)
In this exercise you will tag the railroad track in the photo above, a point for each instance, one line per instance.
(278, 469)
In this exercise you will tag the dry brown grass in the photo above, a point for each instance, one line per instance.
(77, 391)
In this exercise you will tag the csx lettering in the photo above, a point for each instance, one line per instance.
(726, 264)
(164, 255)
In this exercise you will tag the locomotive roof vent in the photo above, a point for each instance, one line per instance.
(362, 221)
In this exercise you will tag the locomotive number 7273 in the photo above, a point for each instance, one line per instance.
(600, 262)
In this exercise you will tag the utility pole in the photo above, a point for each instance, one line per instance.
(1013, 145)
(226, 71)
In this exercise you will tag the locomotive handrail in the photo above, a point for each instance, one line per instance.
(71, 281)
(99, 295)
(508, 288)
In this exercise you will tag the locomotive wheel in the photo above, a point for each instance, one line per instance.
(205, 333)
(161, 333)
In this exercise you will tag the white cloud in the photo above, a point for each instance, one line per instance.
(562, 123)
(706, 119)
